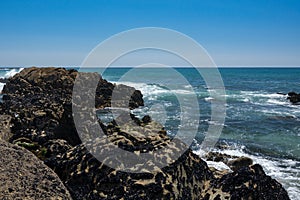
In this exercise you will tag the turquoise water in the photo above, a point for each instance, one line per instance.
(260, 123)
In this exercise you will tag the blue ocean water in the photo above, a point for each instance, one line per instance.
(259, 123)
(257, 116)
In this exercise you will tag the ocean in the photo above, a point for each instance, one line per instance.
(260, 122)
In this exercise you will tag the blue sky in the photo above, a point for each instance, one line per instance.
(235, 33)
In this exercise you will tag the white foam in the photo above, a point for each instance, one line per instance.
(261, 94)
(286, 171)
(218, 165)
(12, 72)
(9, 74)
(152, 90)
(246, 100)
(182, 91)
(1, 87)
(277, 102)
(208, 99)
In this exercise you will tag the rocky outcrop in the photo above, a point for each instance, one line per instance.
(39, 100)
(249, 183)
(39, 103)
(23, 176)
(233, 162)
(187, 177)
(3, 80)
(294, 97)
(89, 178)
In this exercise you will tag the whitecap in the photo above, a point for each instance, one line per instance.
(274, 101)
(286, 171)
(12, 72)
(208, 99)
(9, 74)
(1, 87)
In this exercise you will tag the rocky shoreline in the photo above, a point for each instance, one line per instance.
(36, 115)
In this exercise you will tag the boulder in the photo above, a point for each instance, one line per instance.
(239, 163)
(23, 176)
(294, 97)
(250, 183)
(3, 80)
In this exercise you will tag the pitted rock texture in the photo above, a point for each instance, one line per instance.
(249, 183)
(89, 178)
(39, 103)
(187, 177)
(5, 133)
(23, 176)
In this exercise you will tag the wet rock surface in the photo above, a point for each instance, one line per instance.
(3, 80)
(38, 102)
(250, 183)
(294, 97)
(233, 162)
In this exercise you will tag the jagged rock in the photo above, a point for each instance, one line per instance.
(39, 104)
(250, 183)
(234, 162)
(3, 80)
(23, 176)
(88, 178)
(188, 177)
(239, 163)
(39, 100)
(219, 157)
(294, 97)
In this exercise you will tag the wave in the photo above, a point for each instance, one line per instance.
(286, 171)
(7, 73)
(11, 72)
(150, 90)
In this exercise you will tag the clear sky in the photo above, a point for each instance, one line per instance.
(235, 33)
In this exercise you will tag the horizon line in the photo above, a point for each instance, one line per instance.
(175, 66)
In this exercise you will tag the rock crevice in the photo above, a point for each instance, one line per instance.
(38, 103)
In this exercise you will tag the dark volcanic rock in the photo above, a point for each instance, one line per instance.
(38, 102)
(3, 80)
(239, 163)
(23, 176)
(234, 162)
(188, 177)
(251, 183)
(294, 97)
(88, 178)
